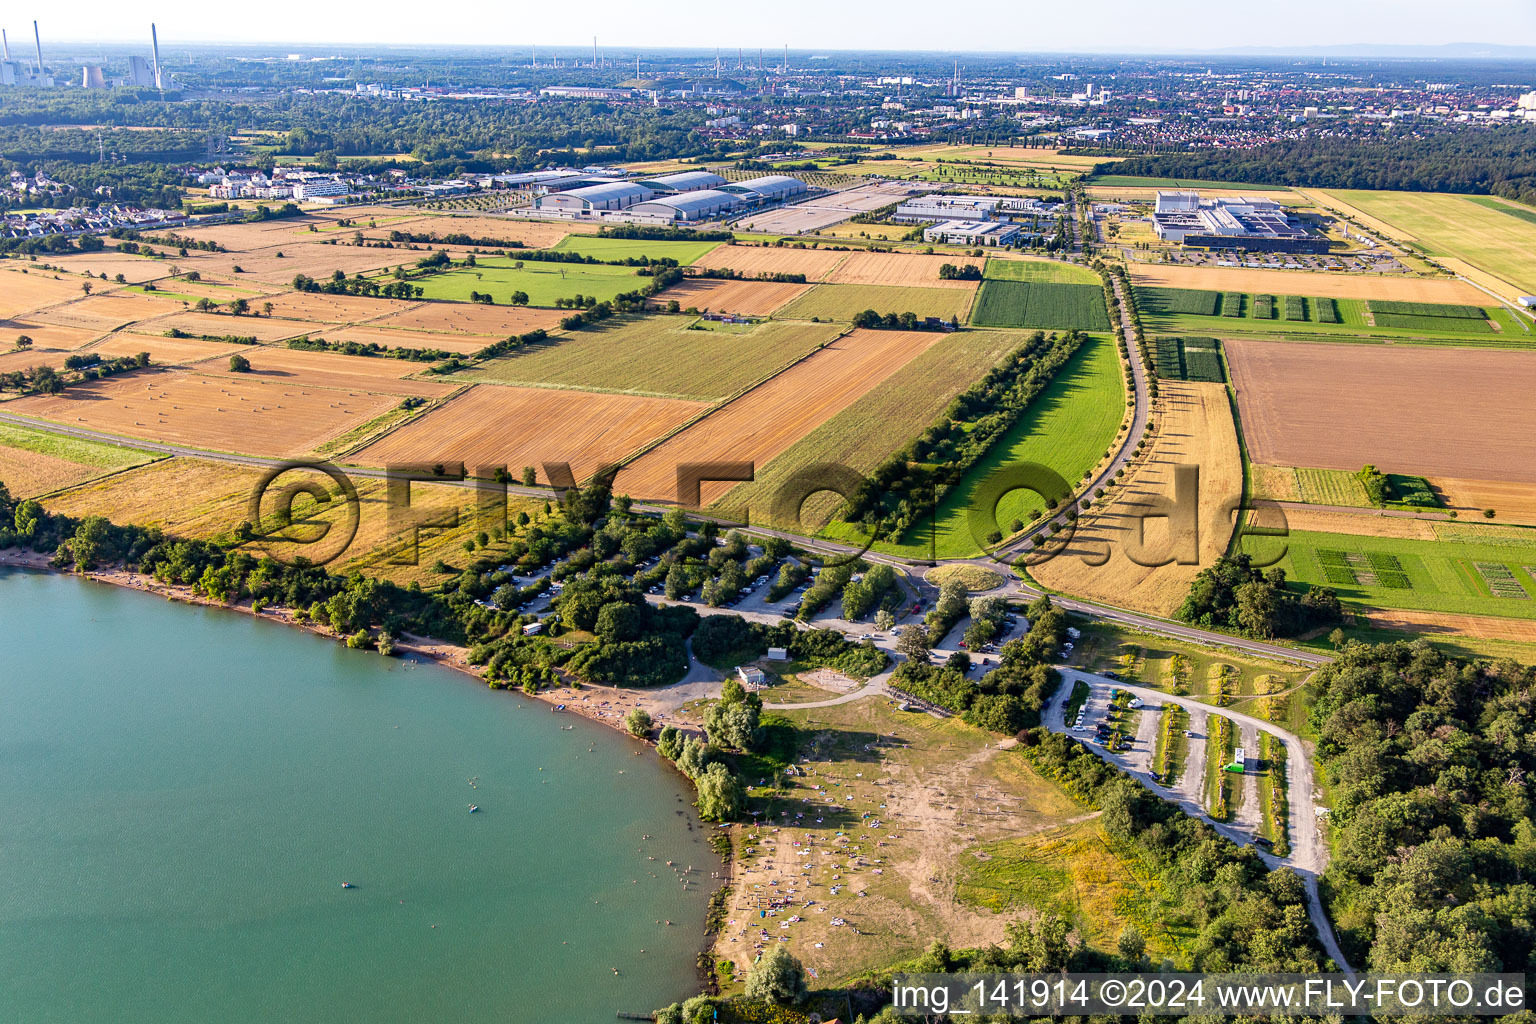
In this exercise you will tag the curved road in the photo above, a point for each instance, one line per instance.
(1309, 853)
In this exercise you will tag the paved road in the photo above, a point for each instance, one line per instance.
(1309, 854)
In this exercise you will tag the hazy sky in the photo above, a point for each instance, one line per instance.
(998, 25)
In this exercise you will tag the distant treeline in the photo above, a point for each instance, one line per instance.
(1501, 163)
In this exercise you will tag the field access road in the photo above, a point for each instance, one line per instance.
(1309, 854)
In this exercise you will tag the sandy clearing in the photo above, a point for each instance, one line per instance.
(252, 416)
(1194, 428)
(495, 425)
(1300, 282)
(752, 298)
(1429, 411)
(769, 418)
(751, 260)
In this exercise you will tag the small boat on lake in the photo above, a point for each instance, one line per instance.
(473, 808)
(348, 885)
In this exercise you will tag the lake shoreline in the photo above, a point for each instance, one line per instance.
(609, 712)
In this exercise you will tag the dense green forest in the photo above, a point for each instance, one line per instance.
(1498, 162)
(1428, 761)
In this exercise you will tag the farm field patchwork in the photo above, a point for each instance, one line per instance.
(749, 298)
(1046, 271)
(845, 301)
(1195, 428)
(657, 356)
(1486, 232)
(752, 260)
(684, 252)
(329, 370)
(901, 269)
(1042, 305)
(764, 422)
(495, 425)
(1407, 407)
(544, 282)
(1068, 428)
(1185, 358)
(875, 424)
(1462, 572)
(35, 461)
(1300, 282)
(258, 417)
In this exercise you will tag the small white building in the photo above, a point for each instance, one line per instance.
(750, 676)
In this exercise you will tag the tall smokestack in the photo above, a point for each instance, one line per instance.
(594, 51)
(154, 40)
(7, 44)
(38, 39)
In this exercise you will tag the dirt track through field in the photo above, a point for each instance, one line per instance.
(769, 418)
(1408, 409)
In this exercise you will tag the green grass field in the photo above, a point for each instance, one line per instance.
(1068, 428)
(632, 248)
(658, 356)
(1188, 311)
(1189, 358)
(1040, 304)
(1491, 234)
(1472, 569)
(544, 282)
(845, 301)
(1044, 271)
(881, 420)
(86, 453)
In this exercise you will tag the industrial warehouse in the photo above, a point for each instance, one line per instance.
(1247, 223)
(686, 196)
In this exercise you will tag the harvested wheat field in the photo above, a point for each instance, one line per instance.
(1409, 409)
(752, 260)
(769, 418)
(218, 325)
(1483, 627)
(23, 292)
(1510, 500)
(28, 474)
(901, 269)
(164, 351)
(44, 335)
(318, 261)
(494, 425)
(12, 361)
(135, 269)
(330, 309)
(1194, 428)
(1274, 483)
(472, 318)
(535, 234)
(1301, 282)
(1361, 524)
(101, 313)
(185, 497)
(330, 370)
(252, 416)
(464, 344)
(750, 298)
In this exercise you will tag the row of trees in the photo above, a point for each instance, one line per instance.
(1232, 594)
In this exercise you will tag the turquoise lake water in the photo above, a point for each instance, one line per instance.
(183, 791)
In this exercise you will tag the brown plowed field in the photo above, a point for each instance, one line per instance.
(768, 419)
(491, 425)
(1300, 282)
(751, 260)
(900, 269)
(243, 414)
(1485, 627)
(1406, 409)
(473, 318)
(1194, 428)
(752, 298)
